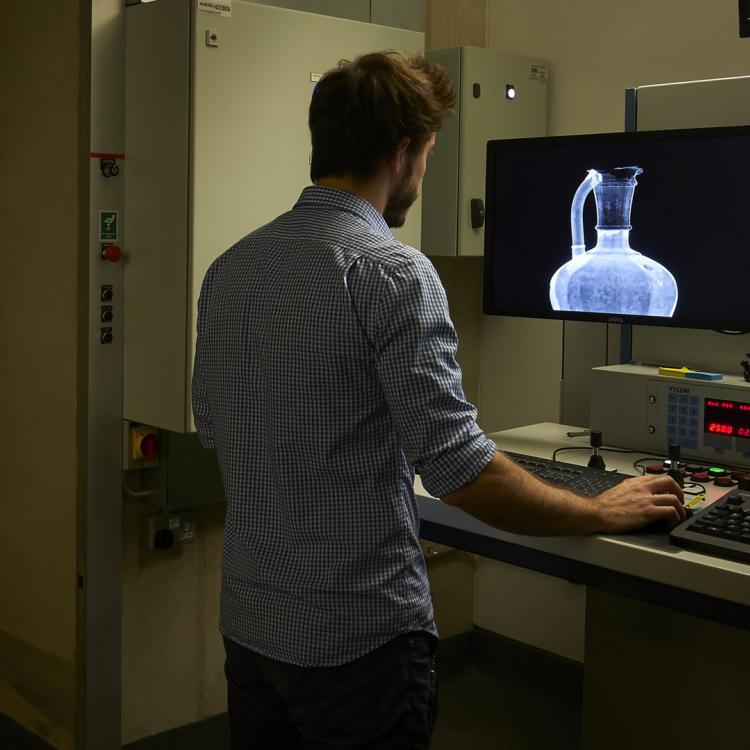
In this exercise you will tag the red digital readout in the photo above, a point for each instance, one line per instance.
(731, 418)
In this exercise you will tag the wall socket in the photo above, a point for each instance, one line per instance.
(170, 530)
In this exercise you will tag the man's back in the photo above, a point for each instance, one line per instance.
(318, 335)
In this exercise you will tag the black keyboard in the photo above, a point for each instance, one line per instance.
(723, 528)
(580, 479)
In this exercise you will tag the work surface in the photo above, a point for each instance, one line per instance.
(630, 563)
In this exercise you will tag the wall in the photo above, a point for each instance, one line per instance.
(597, 49)
(43, 215)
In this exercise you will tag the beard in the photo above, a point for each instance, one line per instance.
(401, 200)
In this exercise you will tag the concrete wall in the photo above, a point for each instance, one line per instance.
(43, 215)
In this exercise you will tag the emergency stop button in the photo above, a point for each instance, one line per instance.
(112, 253)
(144, 443)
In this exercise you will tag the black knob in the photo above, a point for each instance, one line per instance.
(674, 463)
(106, 336)
(107, 294)
(163, 539)
(596, 461)
(107, 315)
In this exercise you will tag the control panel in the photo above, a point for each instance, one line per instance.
(635, 407)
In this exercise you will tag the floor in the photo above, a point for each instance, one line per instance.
(480, 711)
(519, 699)
(508, 698)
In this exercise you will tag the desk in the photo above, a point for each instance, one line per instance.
(667, 629)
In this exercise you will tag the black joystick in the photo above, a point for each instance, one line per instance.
(674, 464)
(596, 461)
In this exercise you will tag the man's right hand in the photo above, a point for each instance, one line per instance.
(506, 496)
(639, 502)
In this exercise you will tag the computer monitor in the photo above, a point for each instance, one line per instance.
(648, 227)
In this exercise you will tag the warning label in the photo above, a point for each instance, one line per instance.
(538, 73)
(223, 8)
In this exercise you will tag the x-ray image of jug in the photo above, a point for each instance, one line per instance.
(611, 277)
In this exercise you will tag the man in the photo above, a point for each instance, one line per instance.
(324, 375)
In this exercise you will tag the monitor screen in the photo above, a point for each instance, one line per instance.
(646, 227)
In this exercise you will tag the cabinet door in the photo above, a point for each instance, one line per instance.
(493, 115)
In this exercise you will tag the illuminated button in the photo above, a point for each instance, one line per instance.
(715, 472)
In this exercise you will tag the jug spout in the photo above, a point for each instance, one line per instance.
(592, 179)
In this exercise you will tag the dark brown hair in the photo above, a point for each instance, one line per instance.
(361, 110)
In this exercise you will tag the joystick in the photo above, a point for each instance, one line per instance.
(596, 460)
(674, 463)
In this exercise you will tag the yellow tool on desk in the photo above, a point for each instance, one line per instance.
(684, 372)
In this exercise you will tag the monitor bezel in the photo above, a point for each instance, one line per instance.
(620, 137)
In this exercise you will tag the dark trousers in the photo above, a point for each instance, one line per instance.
(385, 699)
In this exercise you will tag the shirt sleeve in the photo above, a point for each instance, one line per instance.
(415, 345)
(201, 407)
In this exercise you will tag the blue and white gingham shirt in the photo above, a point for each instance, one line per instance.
(324, 373)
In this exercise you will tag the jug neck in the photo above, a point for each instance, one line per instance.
(614, 197)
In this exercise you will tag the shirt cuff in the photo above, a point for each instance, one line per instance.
(458, 467)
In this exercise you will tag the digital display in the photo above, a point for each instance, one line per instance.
(730, 418)
(645, 227)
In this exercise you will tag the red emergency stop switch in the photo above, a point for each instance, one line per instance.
(144, 443)
(112, 253)
(149, 447)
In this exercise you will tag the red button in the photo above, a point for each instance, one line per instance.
(699, 476)
(112, 253)
(737, 475)
(724, 482)
(150, 447)
(654, 469)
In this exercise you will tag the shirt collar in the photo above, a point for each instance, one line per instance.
(315, 196)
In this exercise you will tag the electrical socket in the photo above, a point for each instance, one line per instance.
(170, 530)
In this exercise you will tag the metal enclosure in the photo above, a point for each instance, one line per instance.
(635, 407)
(483, 112)
(217, 144)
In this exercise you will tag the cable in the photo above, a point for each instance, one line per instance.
(135, 493)
(586, 448)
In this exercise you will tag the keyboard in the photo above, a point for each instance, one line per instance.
(580, 479)
(723, 528)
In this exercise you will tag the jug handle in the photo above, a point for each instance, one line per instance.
(592, 179)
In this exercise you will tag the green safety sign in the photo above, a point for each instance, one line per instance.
(108, 225)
